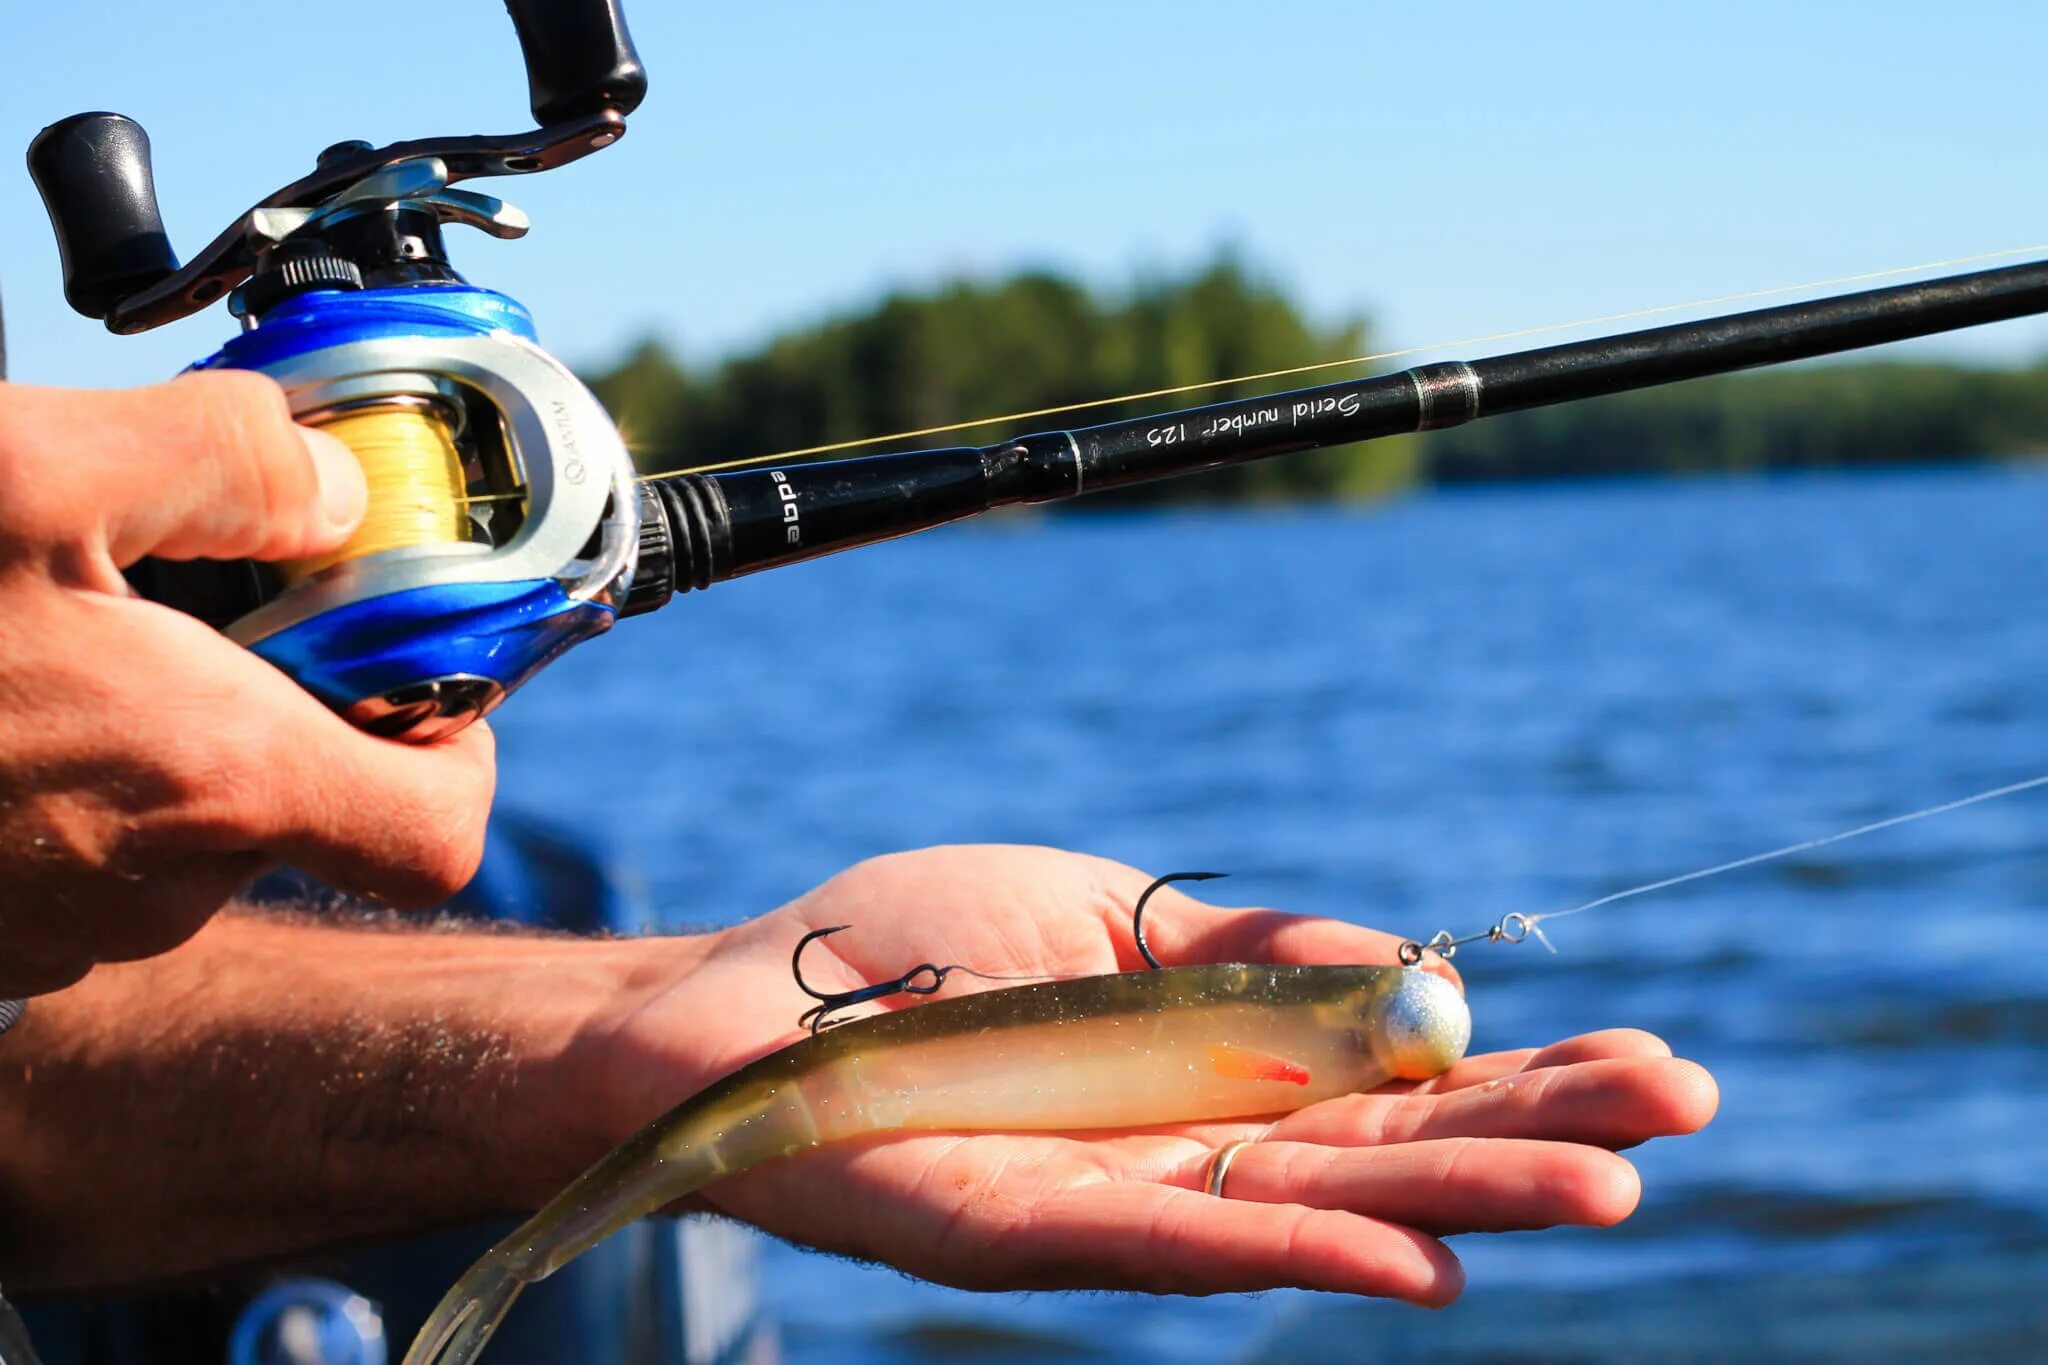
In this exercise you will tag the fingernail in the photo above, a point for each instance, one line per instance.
(343, 493)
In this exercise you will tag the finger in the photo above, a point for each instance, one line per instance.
(1600, 1045)
(1614, 1102)
(42, 970)
(1489, 1066)
(211, 465)
(1168, 1240)
(402, 823)
(144, 915)
(240, 761)
(994, 1213)
(283, 774)
(1182, 930)
(1444, 1186)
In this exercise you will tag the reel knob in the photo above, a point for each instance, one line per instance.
(579, 58)
(94, 174)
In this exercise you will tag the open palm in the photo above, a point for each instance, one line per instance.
(1352, 1194)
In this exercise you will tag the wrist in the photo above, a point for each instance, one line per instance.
(278, 1084)
(580, 1087)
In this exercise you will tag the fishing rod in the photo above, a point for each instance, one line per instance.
(506, 522)
(723, 525)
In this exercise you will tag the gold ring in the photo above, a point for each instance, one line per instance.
(1219, 1166)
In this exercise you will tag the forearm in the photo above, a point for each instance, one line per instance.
(278, 1085)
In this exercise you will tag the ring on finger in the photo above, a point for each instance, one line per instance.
(1219, 1166)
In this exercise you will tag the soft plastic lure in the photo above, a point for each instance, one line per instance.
(1176, 1045)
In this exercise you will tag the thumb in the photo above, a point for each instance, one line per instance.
(212, 466)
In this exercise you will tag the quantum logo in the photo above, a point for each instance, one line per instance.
(570, 459)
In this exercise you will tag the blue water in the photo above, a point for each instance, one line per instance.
(1421, 716)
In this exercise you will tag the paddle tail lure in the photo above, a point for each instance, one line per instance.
(1182, 1044)
(505, 525)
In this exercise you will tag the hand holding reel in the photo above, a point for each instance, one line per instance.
(503, 521)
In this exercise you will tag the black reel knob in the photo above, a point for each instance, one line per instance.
(579, 58)
(94, 174)
(583, 77)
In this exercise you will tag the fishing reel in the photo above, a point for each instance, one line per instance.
(503, 521)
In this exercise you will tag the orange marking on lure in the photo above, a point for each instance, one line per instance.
(1243, 1064)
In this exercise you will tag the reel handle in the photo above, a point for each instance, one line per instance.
(579, 58)
(94, 174)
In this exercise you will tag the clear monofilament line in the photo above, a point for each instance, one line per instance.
(2008, 790)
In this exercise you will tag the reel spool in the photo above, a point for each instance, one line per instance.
(503, 524)
(418, 490)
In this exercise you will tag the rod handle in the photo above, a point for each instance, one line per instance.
(579, 58)
(94, 174)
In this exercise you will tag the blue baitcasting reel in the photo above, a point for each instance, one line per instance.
(503, 524)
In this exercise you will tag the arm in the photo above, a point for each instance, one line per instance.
(277, 1084)
(273, 1086)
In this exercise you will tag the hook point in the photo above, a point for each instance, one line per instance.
(1138, 910)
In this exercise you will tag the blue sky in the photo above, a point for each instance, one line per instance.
(1450, 170)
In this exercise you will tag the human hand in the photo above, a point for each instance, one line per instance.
(148, 766)
(1351, 1195)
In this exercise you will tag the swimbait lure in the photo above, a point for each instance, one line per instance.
(1162, 1046)
(1180, 1044)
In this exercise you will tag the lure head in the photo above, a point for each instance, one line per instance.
(1419, 1025)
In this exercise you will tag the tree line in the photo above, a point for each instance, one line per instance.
(1035, 340)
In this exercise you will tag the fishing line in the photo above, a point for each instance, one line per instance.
(415, 478)
(1605, 319)
(1514, 928)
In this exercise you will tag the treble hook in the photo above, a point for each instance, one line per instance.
(927, 977)
(1138, 910)
(817, 1017)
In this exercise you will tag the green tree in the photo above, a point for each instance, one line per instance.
(969, 349)
(1037, 340)
(1804, 417)
(647, 394)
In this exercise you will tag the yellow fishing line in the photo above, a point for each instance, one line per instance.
(416, 484)
(1602, 320)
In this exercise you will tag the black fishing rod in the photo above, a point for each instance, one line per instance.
(700, 529)
(504, 525)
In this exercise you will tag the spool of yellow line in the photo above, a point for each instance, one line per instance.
(416, 483)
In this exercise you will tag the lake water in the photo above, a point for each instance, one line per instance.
(1421, 716)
